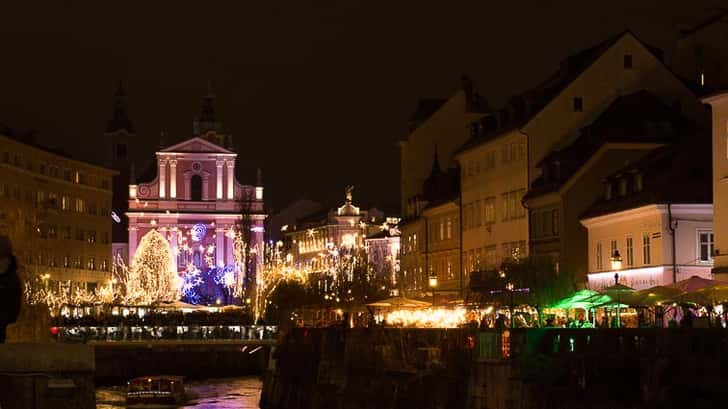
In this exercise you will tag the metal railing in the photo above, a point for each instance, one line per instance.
(151, 333)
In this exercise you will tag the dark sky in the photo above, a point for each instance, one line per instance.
(315, 93)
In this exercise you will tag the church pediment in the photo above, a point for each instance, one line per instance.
(196, 145)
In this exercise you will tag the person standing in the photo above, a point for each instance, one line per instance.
(10, 291)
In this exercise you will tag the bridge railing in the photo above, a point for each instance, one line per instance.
(149, 333)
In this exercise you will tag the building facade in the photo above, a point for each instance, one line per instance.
(57, 213)
(197, 203)
(656, 217)
(571, 180)
(719, 149)
(437, 127)
(383, 252)
(504, 157)
(431, 237)
(700, 53)
(342, 229)
(643, 240)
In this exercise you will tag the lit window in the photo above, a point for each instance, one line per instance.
(600, 264)
(630, 252)
(705, 240)
(623, 187)
(638, 182)
(646, 248)
(80, 205)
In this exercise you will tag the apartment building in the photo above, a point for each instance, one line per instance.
(57, 212)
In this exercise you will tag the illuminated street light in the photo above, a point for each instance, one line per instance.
(616, 261)
(433, 284)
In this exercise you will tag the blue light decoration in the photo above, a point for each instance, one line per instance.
(198, 232)
(206, 287)
(225, 276)
(192, 280)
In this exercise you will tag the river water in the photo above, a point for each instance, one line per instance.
(223, 393)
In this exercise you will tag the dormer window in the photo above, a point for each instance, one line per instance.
(608, 191)
(638, 182)
(623, 187)
(578, 104)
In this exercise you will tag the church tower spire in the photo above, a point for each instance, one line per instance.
(206, 124)
(120, 116)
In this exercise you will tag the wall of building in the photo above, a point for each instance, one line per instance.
(598, 86)
(493, 179)
(720, 187)
(412, 271)
(652, 221)
(446, 129)
(586, 188)
(443, 246)
(697, 56)
(57, 213)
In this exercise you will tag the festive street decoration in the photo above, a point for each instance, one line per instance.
(153, 275)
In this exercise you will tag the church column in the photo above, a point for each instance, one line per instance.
(175, 249)
(133, 231)
(230, 178)
(173, 178)
(205, 186)
(187, 176)
(219, 191)
(229, 243)
(162, 178)
(220, 248)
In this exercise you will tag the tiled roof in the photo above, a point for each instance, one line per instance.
(677, 173)
(707, 22)
(522, 108)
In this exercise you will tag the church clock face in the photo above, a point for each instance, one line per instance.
(197, 166)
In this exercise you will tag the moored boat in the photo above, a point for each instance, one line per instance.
(155, 392)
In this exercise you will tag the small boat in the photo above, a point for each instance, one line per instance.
(155, 392)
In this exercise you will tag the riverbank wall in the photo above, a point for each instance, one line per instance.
(117, 362)
(518, 369)
(47, 376)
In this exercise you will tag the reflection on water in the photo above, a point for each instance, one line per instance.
(223, 393)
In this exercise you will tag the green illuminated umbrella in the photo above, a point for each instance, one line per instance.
(568, 302)
(583, 299)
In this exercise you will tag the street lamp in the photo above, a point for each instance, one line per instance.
(616, 261)
(433, 284)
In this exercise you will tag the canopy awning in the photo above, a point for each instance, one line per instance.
(399, 302)
(694, 283)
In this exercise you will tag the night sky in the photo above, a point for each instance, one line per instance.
(315, 93)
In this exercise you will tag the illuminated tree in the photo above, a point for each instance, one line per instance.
(277, 271)
(152, 277)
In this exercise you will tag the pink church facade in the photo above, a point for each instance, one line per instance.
(196, 202)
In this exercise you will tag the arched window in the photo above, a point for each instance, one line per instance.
(196, 188)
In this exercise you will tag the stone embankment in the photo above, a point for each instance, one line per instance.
(47, 376)
(488, 369)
